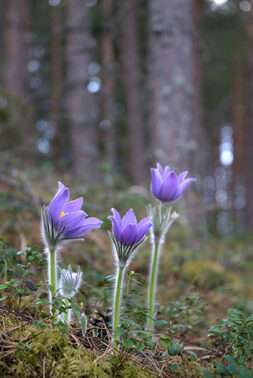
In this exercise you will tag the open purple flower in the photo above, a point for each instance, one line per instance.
(127, 230)
(166, 186)
(127, 233)
(63, 220)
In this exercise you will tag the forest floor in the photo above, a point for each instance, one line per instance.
(201, 277)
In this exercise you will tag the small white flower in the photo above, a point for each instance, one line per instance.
(70, 282)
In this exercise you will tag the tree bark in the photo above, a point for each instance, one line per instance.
(80, 103)
(132, 80)
(56, 80)
(240, 163)
(177, 136)
(108, 117)
(16, 49)
(249, 145)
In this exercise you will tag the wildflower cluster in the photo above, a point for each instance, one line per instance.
(63, 221)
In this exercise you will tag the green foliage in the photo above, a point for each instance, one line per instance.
(232, 368)
(234, 335)
(174, 348)
(185, 315)
(8, 258)
(232, 338)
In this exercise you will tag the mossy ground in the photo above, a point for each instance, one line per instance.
(29, 351)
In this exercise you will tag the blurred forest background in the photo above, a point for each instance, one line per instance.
(97, 91)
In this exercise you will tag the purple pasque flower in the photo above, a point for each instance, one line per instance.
(63, 220)
(127, 233)
(166, 186)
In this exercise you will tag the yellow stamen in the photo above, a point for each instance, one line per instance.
(62, 214)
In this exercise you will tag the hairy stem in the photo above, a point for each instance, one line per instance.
(152, 285)
(117, 300)
(52, 279)
(66, 315)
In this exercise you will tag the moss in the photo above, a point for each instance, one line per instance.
(130, 369)
(48, 352)
(204, 273)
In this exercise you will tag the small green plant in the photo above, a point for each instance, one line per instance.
(234, 335)
(232, 339)
(185, 315)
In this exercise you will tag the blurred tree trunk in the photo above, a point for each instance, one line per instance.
(80, 103)
(174, 75)
(108, 118)
(16, 78)
(249, 145)
(56, 79)
(16, 48)
(240, 164)
(132, 78)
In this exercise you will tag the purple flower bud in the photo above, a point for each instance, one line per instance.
(127, 233)
(63, 220)
(166, 186)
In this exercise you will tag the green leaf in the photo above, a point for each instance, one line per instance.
(140, 347)
(136, 281)
(173, 367)
(21, 291)
(119, 332)
(21, 266)
(36, 323)
(165, 339)
(233, 312)
(206, 372)
(77, 317)
(174, 348)
(161, 323)
(42, 301)
(3, 287)
(128, 344)
(83, 324)
(75, 307)
(110, 278)
(192, 354)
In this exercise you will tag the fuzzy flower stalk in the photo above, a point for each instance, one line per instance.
(69, 284)
(166, 187)
(127, 236)
(62, 222)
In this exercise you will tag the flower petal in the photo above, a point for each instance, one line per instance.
(184, 185)
(156, 182)
(116, 215)
(73, 205)
(73, 219)
(168, 188)
(159, 168)
(116, 228)
(58, 202)
(182, 176)
(128, 218)
(142, 230)
(129, 234)
(144, 220)
(86, 225)
(167, 171)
